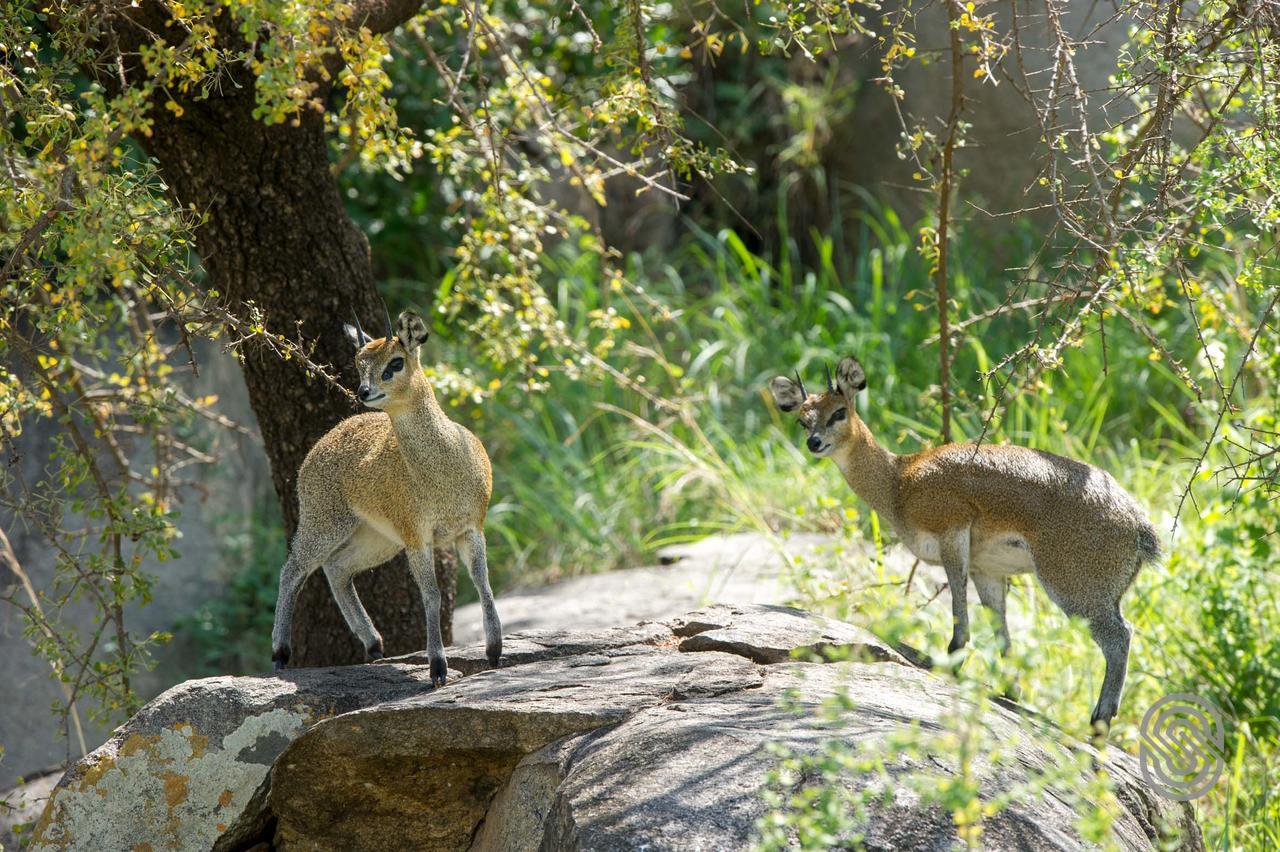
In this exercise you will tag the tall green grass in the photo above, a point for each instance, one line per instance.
(597, 473)
(612, 472)
(594, 475)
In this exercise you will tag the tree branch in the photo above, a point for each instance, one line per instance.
(383, 16)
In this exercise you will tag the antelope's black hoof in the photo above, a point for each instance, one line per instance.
(439, 672)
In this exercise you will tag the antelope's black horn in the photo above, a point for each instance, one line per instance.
(804, 393)
(830, 387)
(387, 315)
(364, 338)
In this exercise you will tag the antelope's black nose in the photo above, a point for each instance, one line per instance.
(814, 443)
(365, 392)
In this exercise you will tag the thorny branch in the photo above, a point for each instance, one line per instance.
(1142, 177)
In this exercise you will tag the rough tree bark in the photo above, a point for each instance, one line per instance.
(276, 233)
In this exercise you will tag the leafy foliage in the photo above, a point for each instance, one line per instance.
(823, 800)
(617, 476)
(101, 296)
(1136, 331)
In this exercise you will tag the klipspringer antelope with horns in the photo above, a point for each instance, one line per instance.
(987, 512)
(402, 477)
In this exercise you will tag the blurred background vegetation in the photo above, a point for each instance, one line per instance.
(798, 261)
(720, 308)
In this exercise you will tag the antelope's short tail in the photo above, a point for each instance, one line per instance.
(1149, 549)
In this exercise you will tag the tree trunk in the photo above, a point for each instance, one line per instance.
(276, 233)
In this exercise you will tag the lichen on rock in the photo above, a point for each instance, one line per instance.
(655, 736)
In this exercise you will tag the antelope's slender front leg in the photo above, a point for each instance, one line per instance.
(422, 564)
(473, 553)
(954, 551)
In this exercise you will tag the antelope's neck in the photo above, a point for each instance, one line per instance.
(871, 471)
(419, 423)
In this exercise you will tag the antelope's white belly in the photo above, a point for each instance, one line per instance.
(1001, 555)
(998, 555)
(380, 525)
(925, 547)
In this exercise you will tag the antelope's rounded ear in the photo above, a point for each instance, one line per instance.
(411, 331)
(850, 377)
(786, 393)
(352, 334)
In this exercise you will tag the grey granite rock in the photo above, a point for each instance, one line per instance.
(659, 736)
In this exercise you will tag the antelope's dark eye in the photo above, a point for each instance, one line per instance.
(394, 366)
(840, 414)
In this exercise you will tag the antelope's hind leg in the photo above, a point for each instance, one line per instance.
(366, 548)
(1112, 634)
(1100, 606)
(311, 546)
(992, 592)
(294, 573)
